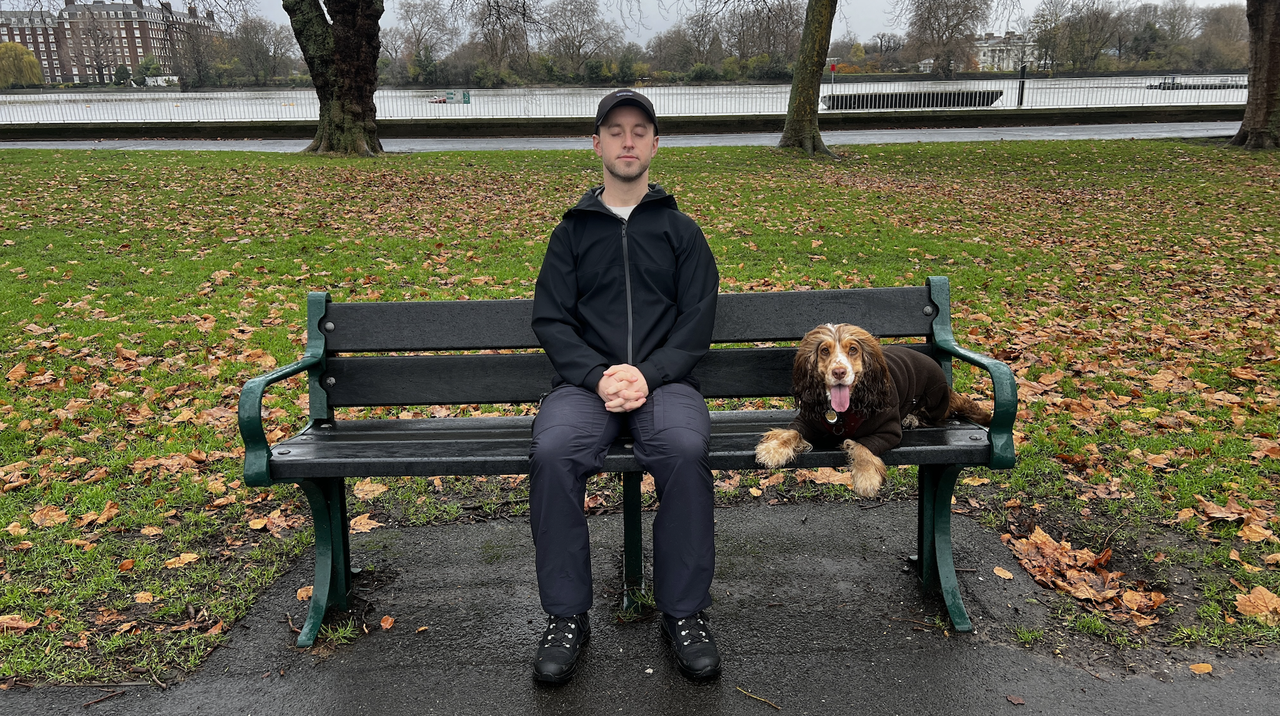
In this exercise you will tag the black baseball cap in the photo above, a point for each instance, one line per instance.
(625, 97)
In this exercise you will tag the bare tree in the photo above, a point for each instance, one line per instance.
(92, 43)
(573, 32)
(505, 28)
(1261, 126)
(941, 30)
(430, 32)
(263, 47)
(1090, 29)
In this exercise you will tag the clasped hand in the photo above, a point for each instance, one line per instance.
(623, 388)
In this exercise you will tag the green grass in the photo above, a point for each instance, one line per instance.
(1132, 282)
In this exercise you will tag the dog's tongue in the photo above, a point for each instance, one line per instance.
(839, 398)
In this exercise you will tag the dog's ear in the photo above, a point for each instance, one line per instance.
(873, 392)
(806, 380)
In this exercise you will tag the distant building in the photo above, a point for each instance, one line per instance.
(1004, 53)
(37, 31)
(87, 42)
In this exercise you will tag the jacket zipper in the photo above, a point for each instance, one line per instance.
(626, 269)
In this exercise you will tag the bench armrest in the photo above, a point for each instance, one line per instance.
(256, 450)
(1004, 387)
(1005, 390)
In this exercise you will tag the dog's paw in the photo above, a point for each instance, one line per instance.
(910, 422)
(867, 469)
(779, 447)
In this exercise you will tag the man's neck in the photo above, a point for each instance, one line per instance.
(619, 193)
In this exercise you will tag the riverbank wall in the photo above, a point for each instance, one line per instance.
(569, 127)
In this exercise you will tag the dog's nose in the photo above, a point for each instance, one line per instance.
(838, 373)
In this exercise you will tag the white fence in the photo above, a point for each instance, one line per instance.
(578, 102)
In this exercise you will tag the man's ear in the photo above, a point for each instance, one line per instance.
(595, 144)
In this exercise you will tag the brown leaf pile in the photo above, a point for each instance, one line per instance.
(1254, 516)
(1082, 574)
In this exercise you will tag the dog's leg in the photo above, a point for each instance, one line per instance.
(868, 470)
(910, 421)
(779, 446)
(962, 406)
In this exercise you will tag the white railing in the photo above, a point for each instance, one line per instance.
(578, 102)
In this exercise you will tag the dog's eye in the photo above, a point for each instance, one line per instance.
(824, 350)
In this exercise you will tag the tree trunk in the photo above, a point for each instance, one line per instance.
(801, 129)
(1261, 126)
(343, 59)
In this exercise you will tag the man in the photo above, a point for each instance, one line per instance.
(624, 308)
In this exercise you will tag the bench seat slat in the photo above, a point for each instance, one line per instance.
(500, 445)
(740, 318)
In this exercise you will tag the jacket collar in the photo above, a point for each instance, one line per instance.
(592, 202)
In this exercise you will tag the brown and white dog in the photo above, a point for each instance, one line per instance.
(855, 393)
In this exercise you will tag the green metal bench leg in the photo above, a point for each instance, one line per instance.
(333, 573)
(934, 565)
(632, 544)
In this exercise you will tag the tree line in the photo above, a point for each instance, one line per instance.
(489, 44)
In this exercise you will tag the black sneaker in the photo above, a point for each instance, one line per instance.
(695, 648)
(558, 650)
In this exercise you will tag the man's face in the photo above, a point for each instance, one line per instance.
(626, 142)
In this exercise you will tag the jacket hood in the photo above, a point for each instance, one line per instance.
(591, 200)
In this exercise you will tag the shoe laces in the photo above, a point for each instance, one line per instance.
(692, 630)
(561, 631)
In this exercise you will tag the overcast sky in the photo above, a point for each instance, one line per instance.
(863, 18)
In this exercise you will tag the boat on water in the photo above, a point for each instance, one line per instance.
(931, 99)
(1172, 83)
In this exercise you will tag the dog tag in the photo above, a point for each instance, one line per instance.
(832, 416)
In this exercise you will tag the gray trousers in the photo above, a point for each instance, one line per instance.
(571, 434)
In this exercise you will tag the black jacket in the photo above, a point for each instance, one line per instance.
(641, 292)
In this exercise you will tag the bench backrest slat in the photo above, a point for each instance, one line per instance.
(523, 377)
(740, 318)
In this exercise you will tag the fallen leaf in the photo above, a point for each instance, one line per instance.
(305, 593)
(829, 476)
(647, 486)
(367, 489)
(1254, 532)
(258, 523)
(47, 516)
(215, 630)
(108, 513)
(1003, 573)
(143, 598)
(15, 529)
(14, 624)
(1201, 668)
(1272, 559)
(181, 560)
(755, 491)
(151, 531)
(363, 523)
(1261, 604)
(1016, 700)
(387, 622)
(17, 373)
(126, 565)
(975, 481)
(419, 630)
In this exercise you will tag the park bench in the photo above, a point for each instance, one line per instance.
(452, 361)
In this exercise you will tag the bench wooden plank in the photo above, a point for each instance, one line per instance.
(500, 445)
(740, 318)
